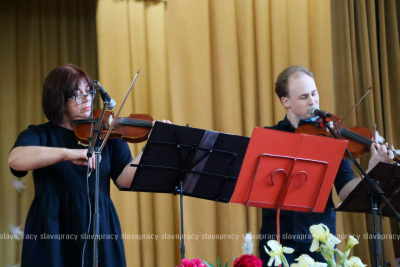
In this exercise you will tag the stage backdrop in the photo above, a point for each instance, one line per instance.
(366, 51)
(210, 64)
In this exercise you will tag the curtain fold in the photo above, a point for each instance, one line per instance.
(37, 36)
(365, 41)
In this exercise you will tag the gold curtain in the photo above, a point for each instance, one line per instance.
(36, 36)
(365, 37)
(210, 64)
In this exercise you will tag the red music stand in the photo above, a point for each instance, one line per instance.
(287, 171)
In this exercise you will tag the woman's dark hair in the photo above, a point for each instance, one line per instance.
(59, 85)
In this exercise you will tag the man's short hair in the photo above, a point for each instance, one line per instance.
(281, 85)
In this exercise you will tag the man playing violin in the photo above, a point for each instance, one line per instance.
(61, 204)
(298, 93)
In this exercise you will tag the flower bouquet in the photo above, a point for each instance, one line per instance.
(324, 242)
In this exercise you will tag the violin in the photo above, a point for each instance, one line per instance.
(133, 129)
(359, 139)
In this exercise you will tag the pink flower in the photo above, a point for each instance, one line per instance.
(192, 263)
(247, 260)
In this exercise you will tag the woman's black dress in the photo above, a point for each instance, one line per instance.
(59, 214)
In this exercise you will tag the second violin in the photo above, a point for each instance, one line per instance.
(359, 139)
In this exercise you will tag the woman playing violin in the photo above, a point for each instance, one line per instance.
(59, 215)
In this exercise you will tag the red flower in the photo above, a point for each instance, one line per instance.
(247, 260)
(192, 263)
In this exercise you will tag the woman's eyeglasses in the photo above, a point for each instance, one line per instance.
(81, 97)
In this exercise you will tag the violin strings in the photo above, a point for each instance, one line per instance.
(360, 138)
(355, 136)
(136, 122)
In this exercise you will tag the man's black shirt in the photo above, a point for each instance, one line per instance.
(295, 225)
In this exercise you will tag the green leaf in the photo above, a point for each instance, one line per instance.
(208, 265)
(219, 262)
(226, 264)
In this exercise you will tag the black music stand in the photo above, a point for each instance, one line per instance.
(387, 177)
(191, 162)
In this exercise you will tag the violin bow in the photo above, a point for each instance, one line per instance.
(355, 105)
(376, 139)
(113, 121)
(119, 111)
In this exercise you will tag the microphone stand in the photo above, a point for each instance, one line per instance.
(95, 147)
(377, 195)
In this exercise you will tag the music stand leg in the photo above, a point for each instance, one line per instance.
(182, 247)
(374, 219)
(382, 240)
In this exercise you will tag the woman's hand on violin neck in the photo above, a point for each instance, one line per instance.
(380, 153)
(79, 157)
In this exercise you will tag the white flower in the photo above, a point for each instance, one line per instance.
(248, 244)
(351, 242)
(16, 231)
(16, 265)
(347, 263)
(18, 184)
(320, 233)
(356, 262)
(276, 253)
(333, 240)
(306, 261)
